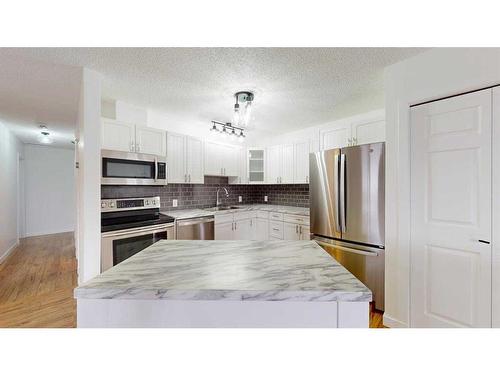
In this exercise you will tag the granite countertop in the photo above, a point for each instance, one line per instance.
(228, 270)
(193, 213)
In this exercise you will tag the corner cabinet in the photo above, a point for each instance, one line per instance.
(185, 159)
(353, 131)
(122, 136)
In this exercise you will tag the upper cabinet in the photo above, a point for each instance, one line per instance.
(121, 136)
(353, 131)
(184, 159)
(220, 160)
(301, 152)
(241, 160)
(280, 164)
(256, 165)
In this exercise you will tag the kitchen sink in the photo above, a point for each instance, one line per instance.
(222, 208)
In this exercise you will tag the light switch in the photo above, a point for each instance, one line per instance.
(240, 198)
(265, 198)
(174, 202)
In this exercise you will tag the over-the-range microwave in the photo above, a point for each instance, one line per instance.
(129, 168)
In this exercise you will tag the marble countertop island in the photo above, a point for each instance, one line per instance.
(228, 270)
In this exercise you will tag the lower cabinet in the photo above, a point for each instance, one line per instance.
(261, 226)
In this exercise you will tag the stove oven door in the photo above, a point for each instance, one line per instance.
(119, 245)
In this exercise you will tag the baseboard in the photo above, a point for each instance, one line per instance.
(38, 234)
(9, 251)
(393, 323)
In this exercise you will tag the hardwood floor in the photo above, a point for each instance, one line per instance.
(37, 282)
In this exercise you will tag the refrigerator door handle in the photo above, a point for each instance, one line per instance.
(336, 195)
(348, 249)
(343, 209)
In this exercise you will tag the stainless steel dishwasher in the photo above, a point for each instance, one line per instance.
(200, 228)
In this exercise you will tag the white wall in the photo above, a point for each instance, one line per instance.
(49, 190)
(434, 74)
(88, 177)
(10, 148)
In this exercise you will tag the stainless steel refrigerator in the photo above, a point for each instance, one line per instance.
(347, 199)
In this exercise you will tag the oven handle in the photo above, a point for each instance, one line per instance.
(125, 233)
(205, 219)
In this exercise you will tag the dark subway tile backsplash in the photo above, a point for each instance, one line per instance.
(202, 196)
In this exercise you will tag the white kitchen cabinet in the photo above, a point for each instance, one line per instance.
(243, 229)
(194, 160)
(291, 231)
(150, 141)
(256, 166)
(368, 131)
(261, 230)
(185, 159)
(224, 231)
(220, 160)
(176, 158)
(121, 136)
(352, 131)
(280, 164)
(117, 136)
(301, 162)
(335, 135)
(242, 177)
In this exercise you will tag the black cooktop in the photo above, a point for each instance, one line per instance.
(112, 221)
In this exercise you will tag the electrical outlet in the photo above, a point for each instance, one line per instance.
(174, 202)
(265, 198)
(240, 198)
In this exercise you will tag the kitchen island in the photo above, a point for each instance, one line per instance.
(225, 284)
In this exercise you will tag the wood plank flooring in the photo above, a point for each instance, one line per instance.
(37, 282)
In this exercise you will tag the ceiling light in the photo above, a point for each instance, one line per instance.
(242, 108)
(228, 130)
(44, 134)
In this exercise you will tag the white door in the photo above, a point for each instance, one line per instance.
(301, 164)
(291, 231)
(261, 230)
(451, 212)
(117, 136)
(274, 155)
(496, 211)
(287, 165)
(194, 160)
(335, 136)
(368, 131)
(224, 231)
(213, 159)
(176, 161)
(150, 141)
(243, 229)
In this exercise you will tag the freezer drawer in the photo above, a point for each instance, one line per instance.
(366, 264)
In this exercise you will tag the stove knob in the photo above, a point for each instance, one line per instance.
(111, 204)
(103, 204)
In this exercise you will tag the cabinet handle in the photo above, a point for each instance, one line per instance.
(235, 226)
(300, 229)
(185, 178)
(307, 179)
(137, 147)
(131, 146)
(354, 141)
(189, 178)
(296, 229)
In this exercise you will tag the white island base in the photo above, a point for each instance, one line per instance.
(124, 313)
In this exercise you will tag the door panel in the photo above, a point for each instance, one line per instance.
(176, 168)
(150, 141)
(194, 160)
(287, 165)
(323, 197)
(274, 155)
(336, 136)
(261, 231)
(291, 231)
(117, 136)
(364, 200)
(224, 231)
(301, 163)
(243, 230)
(451, 212)
(213, 159)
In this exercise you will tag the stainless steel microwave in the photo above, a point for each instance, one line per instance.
(128, 168)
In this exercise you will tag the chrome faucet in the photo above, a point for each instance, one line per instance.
(218, 200)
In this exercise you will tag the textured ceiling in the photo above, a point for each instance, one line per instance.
(295, 87)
